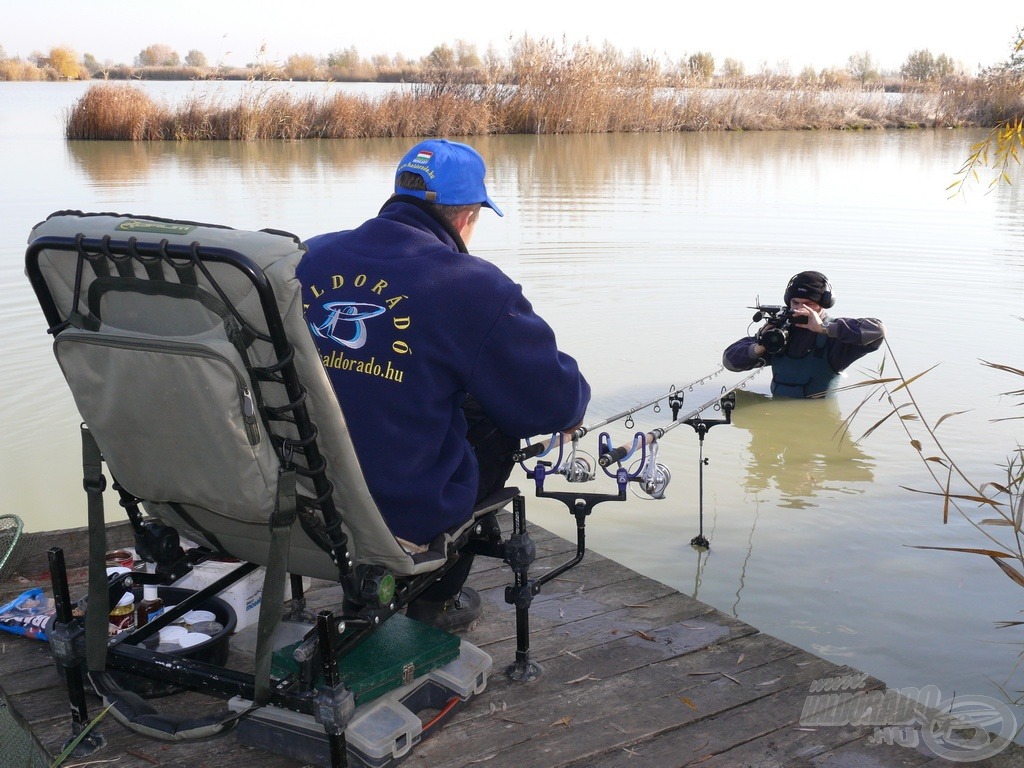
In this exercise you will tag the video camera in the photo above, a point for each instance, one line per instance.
(774, 334)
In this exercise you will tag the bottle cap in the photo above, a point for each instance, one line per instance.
(150, 592)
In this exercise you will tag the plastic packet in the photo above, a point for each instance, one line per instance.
(27, 614)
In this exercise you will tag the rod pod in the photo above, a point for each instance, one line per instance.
(702, 427)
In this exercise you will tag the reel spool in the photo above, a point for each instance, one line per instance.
(655, 485)
(580, 469)
(651, 476)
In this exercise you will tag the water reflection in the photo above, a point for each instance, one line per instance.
(799, 449)
(544, 169)
(111, 163)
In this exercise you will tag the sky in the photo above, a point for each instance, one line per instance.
(797, 32)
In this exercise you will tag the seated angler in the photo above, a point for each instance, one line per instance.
(438, 361)
(808, 357)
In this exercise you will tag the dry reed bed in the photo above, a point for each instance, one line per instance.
(562, 101)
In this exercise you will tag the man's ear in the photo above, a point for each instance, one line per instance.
(462, 219)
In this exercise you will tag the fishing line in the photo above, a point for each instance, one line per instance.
(641, 440)
(628, 413)
(541, 448)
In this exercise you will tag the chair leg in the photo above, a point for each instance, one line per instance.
(335, 703)
(61, 642)
(296, 606)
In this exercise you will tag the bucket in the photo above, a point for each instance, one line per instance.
(211, 651)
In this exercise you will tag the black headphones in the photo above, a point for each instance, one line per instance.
(826, 301)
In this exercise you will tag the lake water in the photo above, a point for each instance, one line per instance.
(645, 254)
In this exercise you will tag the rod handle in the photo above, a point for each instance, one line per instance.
(530, 451)
(613, 455)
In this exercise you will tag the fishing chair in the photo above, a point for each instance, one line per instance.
(191, 364)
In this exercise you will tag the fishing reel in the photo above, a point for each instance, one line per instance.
(576, 467)
(653, 477)
(650, 476)
(655, 480)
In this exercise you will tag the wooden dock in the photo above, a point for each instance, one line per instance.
(635, 674)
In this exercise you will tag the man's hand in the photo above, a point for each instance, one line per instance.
(813, 318)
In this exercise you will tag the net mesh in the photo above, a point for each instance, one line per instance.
(19, 749)
(10, 545)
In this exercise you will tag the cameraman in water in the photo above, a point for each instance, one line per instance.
(806, 349)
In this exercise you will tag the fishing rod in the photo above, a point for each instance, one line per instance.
(651, 476)
(642, 440)
(628, 413)
(558, 439)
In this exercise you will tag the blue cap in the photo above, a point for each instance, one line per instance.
(453, 172)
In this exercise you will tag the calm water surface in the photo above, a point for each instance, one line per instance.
(645, 253)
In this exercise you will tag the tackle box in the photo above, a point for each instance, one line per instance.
(383, 731)
(395, 655)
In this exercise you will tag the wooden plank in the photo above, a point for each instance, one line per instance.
(599, 622)
(635, 673)
(75, 543)
(699, 742)
(580, 721)
(773, 721)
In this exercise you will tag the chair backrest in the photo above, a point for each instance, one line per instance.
(188, 356)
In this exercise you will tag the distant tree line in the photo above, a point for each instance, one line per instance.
(461, 62)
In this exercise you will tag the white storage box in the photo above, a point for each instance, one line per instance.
(383, 731)
(244, 596)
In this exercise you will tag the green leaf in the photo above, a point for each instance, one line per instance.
(77, 740)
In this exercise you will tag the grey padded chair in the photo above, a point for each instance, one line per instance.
(186, 351)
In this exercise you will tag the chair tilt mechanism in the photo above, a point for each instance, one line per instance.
(193, 369)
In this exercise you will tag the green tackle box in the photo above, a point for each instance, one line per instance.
(382, 733)
(401, 651)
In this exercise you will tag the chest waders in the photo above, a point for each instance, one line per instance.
(803, 374)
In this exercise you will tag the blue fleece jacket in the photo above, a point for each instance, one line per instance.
(407, 323)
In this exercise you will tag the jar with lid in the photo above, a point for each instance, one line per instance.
(122, 615)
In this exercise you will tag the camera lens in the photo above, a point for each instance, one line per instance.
(774, 340)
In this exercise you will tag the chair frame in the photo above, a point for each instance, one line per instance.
(330, 703)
